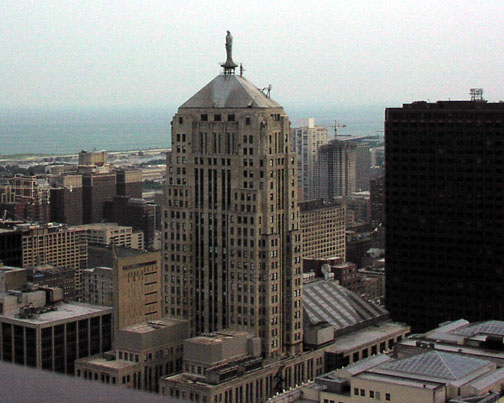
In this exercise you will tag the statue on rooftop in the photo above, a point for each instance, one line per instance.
(229, 65)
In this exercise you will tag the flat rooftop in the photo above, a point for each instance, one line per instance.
(102, 362)
(63, 311)
(365, 336)
(11, 268)
(152, 326)
(103, 226)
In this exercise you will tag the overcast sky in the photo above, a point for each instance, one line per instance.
(158, 53)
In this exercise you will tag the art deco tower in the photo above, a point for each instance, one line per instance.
(232, 255)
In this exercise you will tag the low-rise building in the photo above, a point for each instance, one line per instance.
(142, 354)
(51, 335)
(479, 339)
(50, 276)
(428, 377)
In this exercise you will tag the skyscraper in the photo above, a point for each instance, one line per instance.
(335, 169)
(444, 211)
(306, 141)
(232, 246)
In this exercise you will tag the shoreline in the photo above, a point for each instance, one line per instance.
(34, 156)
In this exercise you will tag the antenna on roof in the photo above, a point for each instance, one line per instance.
(476, 94)
(267, 91)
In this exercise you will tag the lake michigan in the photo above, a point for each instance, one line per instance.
(65, 131)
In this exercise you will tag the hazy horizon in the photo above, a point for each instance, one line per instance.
(57, 53)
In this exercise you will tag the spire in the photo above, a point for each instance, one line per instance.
(229, 65)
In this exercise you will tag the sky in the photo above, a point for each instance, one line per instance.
(149, 53)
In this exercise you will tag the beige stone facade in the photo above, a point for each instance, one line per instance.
(113, 234)
(232, 245)
(142, 354)
(57, 245)
(137, 287)
(230, 373)
(323, 229)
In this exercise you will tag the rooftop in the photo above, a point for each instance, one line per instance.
(230, 91)
(103, 362)
(367, 335)
(437, 364)
(325, 301)
(151, 326)
(62, 311)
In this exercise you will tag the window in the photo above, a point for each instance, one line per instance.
(231, 117)
(371, 393)
(387, 397)
(363, 392)
(204, 117)
(247, 121)
(217, 117)
(180, 120)
(356, 391)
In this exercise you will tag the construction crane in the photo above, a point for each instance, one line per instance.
(335, 128)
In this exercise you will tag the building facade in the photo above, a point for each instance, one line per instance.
(56, 245)
(113, 234)
(137, 213)
(335, 172)
(66, 199)
(52, 337)
(305, 143)
(323, 229)
(98, 286)
(97, 188)
(137, 286)
(232, 244)
(444, 223)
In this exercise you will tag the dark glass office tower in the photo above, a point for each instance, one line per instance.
(445, 211)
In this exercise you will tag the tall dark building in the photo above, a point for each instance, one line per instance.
(137, 213)
(377, 200)
(11, 248)
(66, 199)
(445, 211)
(96, 190)
(129, 182)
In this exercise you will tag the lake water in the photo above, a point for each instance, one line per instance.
(25, 131)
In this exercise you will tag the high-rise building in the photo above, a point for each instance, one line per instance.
(363, 166)
(11, 247)
(66, 199)
(335, 169)
(26, 197)
(444, 213)
(323, 229)
(137, 286)
(56, 245)
(306, 141)
(96, 190)
(232, 245)
(377, 200)
(113, 234)
(136, 277)
(137, 213)
(129, 183)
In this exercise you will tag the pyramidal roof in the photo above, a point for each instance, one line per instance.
(230, 91)
(437, 364)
